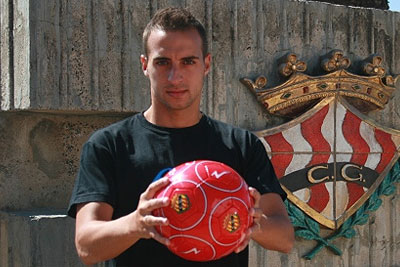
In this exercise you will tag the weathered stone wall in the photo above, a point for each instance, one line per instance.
(84, 55)
(40, 156)
(70, 67)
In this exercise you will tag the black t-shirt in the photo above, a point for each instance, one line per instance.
(120, 161)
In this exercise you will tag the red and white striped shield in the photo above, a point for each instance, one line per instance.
(331, 159)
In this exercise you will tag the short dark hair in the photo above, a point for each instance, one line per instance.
(174, 19)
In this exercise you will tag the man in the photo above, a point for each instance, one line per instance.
(113, 195)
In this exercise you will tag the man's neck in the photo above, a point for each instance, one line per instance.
(172, 119)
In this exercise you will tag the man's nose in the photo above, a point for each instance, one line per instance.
(175, 74)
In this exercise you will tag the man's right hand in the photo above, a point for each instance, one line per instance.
(144, 221)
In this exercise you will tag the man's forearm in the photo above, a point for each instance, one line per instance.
(100, 238)
(276, 233)
(275, 229)
(103, 240)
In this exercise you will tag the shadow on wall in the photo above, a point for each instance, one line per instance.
(379, 4)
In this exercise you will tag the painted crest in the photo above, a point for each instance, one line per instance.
(330, 158)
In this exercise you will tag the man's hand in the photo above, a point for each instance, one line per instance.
(256, 213)
(144, 221)
(271, 227)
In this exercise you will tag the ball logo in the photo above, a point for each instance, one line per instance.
(232, 222)
(180, 203)
(209, 210)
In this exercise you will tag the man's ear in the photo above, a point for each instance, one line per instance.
(207, 64)
(143, 60)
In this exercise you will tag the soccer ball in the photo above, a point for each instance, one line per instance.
(209, 210)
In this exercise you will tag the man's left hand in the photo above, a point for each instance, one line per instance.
(256, 213)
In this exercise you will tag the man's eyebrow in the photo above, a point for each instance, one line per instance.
(184, 58)
(190, 57)
(161, 58)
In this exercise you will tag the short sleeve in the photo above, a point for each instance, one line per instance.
(259, 172)
(94, 182)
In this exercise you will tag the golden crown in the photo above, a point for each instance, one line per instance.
(302, 91)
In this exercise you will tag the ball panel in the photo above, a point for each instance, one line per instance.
(192, 247)
(183, 172)
(216, 175)
(228, 221)
(188, 204)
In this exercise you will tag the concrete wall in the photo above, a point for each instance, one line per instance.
(84, 55)
(70, 67)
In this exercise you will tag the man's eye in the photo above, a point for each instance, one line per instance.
(188, 62)
(162, 62)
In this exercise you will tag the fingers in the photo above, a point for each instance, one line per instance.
(256, 213)
(246, 237)
(256, 195)
(156, 236)
(148, 230)
(244, 241)
(154, 187)
(144, 222)
(255, 228)
(242, 246)
(150, 220)
(147, 203)
(152, 204)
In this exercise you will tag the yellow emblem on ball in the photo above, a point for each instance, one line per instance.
(180, 203)
(232, 222)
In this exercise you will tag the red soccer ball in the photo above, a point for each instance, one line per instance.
(209, 210)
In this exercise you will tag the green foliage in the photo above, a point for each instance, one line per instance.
(309, 229)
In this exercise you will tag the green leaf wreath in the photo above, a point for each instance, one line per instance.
(309, 229)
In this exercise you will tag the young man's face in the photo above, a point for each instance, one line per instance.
(176, 68)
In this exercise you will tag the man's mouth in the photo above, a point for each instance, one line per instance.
(177, 92)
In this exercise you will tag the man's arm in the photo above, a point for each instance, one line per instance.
(99, 238)
(271, 228)
(275, 229)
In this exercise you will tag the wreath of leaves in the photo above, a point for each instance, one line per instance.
(309, 229)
